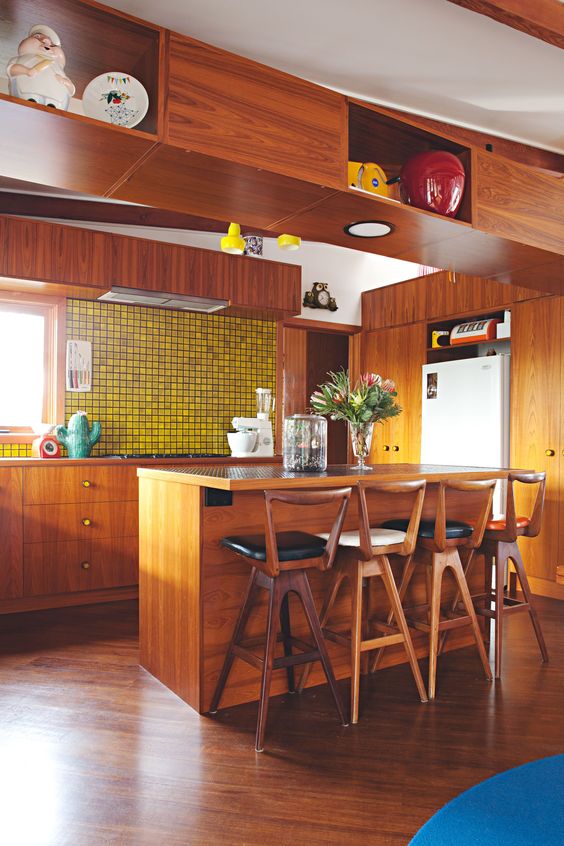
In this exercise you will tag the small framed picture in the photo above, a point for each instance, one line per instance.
(79, 366)
(432, 384)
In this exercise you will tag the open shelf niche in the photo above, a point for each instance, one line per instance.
(375, 136)
(95, 41)
(470, 350)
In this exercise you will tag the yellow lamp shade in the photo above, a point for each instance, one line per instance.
(289, 242)
(232, 242)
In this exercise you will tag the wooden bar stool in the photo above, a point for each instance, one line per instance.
(442, 540)
(500, 546)
(363, 555)
(279, 562)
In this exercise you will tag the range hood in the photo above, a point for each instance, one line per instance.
(162, 299)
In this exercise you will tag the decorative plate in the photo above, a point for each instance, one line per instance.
(116, 98)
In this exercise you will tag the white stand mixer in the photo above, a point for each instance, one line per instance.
(253, 436)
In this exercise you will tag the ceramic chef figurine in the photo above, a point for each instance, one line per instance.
(37, 73)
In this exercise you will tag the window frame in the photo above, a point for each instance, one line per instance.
(53, 310)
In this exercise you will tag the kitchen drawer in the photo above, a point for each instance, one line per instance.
(46, 485)
(80, 565)
(78, 521)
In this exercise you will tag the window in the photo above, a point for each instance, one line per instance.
(31, 364)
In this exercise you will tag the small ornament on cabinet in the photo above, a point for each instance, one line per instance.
(320, 297)
(37, 73)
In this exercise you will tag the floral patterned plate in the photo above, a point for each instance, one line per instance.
(116, 98)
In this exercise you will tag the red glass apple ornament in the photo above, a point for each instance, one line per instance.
(433, 181)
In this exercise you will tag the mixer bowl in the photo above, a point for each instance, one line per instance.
(241, 443)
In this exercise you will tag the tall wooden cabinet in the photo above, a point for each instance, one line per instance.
(537, 431)
(398, 353)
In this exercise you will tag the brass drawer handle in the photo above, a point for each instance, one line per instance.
(386, 448)
(395, 448)
(549, 452)
(86, 521)
(85, 565)
(85, 483)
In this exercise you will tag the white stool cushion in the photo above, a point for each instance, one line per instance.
(378, 537)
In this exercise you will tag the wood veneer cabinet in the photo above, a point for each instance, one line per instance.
(394, 305)
(11, 532)
(537, 430)
(52, 252)
(398, 353)
(234, 108)
(80, 529)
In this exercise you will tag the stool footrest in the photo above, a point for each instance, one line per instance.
(293, 660)
(453, 623)
(379, 642)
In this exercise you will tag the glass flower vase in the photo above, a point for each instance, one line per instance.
(361, 438)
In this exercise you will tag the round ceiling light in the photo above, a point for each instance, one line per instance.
(369, 229)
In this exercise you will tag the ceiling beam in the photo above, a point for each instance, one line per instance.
(91, 211)
(543, 19)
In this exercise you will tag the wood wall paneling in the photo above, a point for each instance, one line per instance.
(536, 415)
(518, 203)
(295, 371)
(11, 532)
(234, 108)
(327, 351)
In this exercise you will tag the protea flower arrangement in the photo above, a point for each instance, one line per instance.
(371, 400)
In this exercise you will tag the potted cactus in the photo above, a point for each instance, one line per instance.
(78, 437)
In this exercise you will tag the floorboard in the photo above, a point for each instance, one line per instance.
(95, 751)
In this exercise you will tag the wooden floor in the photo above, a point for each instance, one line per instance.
(94, 751)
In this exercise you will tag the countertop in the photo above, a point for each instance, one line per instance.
(136, 462)
(240, 477)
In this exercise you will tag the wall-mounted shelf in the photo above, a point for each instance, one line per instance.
(95, 41)
(469, 350)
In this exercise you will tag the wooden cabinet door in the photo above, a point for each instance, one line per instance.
(11, 533)
(398, 354)
(536, 397)
(394, 305)
(236, 109)
(450, 294)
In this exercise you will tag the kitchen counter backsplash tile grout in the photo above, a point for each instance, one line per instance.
(166, 381)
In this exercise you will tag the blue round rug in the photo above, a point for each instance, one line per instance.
(521, 807)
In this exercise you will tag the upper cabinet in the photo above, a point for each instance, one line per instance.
(393, 305)
(233, 108)
(519, 202)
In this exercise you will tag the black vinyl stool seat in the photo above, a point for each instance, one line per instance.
(454, 528)
(291, 546)
(279, 564)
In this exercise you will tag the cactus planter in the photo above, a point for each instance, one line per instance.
(78, 438)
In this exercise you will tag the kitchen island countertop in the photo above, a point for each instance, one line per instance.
(247, 477)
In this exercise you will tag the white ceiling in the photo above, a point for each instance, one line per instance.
(426, 56)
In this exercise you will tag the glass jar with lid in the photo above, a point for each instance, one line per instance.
(305, 443)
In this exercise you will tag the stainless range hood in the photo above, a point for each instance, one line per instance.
(162, 299)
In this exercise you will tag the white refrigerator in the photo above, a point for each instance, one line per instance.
(465, 417)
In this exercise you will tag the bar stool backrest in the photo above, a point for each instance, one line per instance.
(510, 533)
(486, 487)
(389, 489)
(338, 496)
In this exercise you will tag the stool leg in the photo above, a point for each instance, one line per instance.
(300, 584)
(456, 566)
(393, 596)
(488, 570)
(286, 637)
(356, 639)
(466, 567)
(500, 563)
(337, 577)
(436, 578)
(366, 627)
(236, 637)
(525, 587)
(271, 638)
(408, 571)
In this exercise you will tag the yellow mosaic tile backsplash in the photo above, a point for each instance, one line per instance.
(167, 381)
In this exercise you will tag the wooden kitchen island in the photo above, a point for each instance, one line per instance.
(191, 588)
